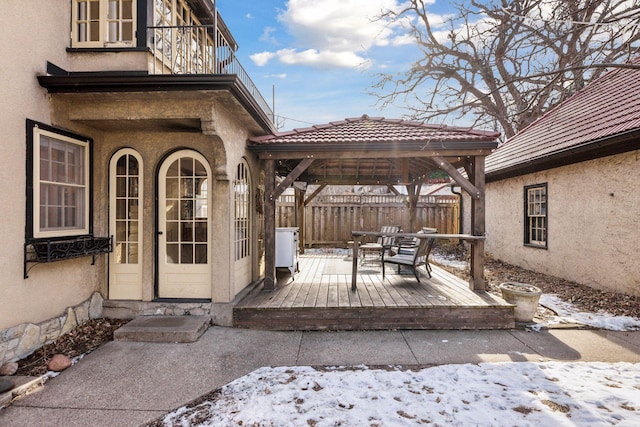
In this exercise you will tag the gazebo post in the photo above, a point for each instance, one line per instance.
(299, 197)
(477, 282)
(414, 197)
(269, 225)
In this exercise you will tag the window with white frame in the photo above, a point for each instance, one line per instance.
(103, 23)
(58, 183)
(242, 202)
(535, 233)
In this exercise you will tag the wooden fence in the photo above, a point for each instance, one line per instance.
(330, 219)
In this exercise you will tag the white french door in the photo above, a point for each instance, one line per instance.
(125, 225)
(184, 252)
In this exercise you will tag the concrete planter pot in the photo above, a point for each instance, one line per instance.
(525, 297)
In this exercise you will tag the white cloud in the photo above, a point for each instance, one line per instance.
(403, 40)
(338, 24)
(248, 16)
(312, 58)
(261, 59)
(336, 33)
(321, 59)
(276, 76)
(267, 35)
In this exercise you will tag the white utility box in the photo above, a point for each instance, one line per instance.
(288, 248)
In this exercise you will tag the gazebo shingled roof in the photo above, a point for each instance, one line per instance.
(372, 150)
(375, 130)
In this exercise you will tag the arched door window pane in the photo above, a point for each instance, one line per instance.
(127, 210)
(242, 199)
(186, 202)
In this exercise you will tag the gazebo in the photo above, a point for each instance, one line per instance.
(375, 151)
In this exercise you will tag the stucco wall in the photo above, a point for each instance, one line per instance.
(593, 223)
(235, 139)
(131, 121)
(32, 34)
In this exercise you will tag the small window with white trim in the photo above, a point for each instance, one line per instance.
(58, 182)
(535, 201)
(103, 23)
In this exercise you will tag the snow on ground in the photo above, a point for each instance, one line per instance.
(487, 394)
(566, 313)
(449, 260)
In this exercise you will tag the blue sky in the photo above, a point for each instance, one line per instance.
(322, 56)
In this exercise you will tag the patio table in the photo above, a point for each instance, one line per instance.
(358, 235)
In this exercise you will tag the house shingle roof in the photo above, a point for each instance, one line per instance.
(607, 108)
(373, 130)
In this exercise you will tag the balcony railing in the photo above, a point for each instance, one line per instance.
(198, 49)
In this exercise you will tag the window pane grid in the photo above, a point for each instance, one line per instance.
(241, 212)
(120, 21)
(536, 232)
(88, 20)
(186, 201)
(127, 214)
(98, 22)
(60, 184)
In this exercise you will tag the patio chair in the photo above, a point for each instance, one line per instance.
(414, 257)
(408, 245)
(382, 244)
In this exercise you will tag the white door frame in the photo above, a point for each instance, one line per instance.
(184, 226)
(242, 226)
(125, 224)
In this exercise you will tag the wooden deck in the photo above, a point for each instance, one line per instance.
(320, 298)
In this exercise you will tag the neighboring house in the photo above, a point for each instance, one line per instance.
(562, 195)
(124, 160)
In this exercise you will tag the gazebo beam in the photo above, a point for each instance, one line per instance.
(314, 194)
(393, 189)
(467, 186)
(295, 173)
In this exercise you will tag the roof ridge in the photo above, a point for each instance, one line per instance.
(397, 128)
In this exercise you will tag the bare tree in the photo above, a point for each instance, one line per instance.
(505, 63)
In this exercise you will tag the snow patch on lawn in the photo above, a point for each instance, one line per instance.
(487, 394)
(567, 313)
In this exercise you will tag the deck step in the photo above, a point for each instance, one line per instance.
(375, 318)
(163, 329)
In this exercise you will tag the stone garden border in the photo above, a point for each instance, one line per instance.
(20, 341)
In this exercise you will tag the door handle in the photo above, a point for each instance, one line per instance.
(159, 233)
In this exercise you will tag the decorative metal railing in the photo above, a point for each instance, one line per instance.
(198, 49)
(46, 250)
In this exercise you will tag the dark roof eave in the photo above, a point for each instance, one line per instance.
(142, 82)
(621, 143)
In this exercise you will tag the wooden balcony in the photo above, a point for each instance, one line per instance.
(320, 298)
